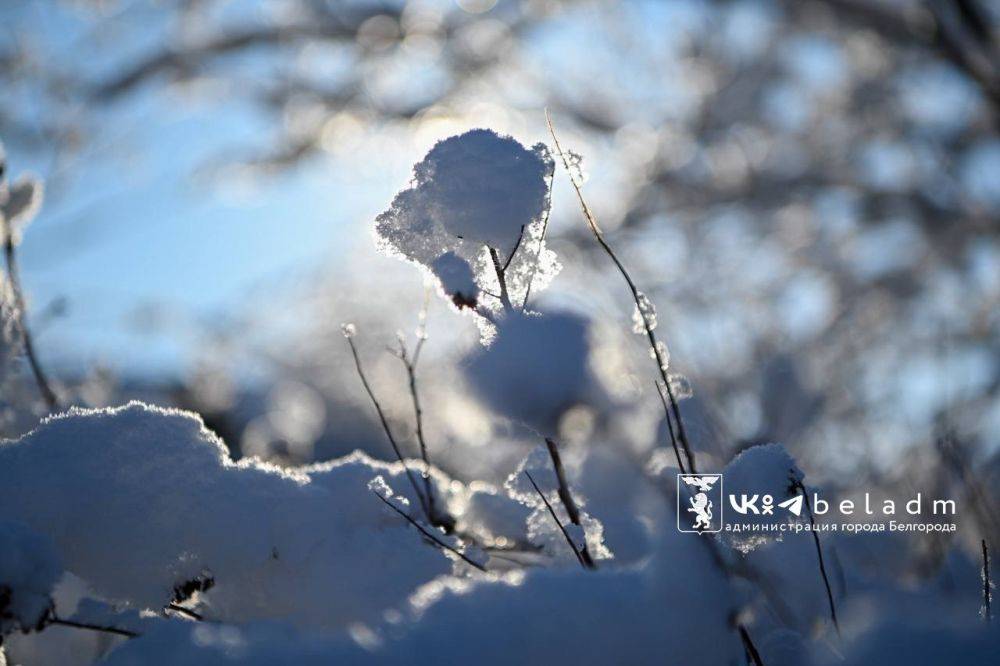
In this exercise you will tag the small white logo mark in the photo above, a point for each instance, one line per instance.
(699, 503)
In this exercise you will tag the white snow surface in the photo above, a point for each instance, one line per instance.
(139, 499)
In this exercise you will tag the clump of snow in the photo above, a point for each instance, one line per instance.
(457, 279)
(139, 500)
(29, 569)
(769, 475)
(475, 191)
(536, 369)
(484, 187)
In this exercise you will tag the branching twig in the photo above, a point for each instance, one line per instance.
(51, 400)
(569, 540)
(385, 425)
(510, 257)
(502, 279)
(566, 497)
(819, 555)
(410, 363)
(661, 363)
(429, 535)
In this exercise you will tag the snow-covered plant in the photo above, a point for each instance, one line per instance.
(475, 216)
(19, 203)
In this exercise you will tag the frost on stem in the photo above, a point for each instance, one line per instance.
(473, 195)
(644, 315)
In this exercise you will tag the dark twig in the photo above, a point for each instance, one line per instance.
(670, 427)
(51, 400)
(510, 257)
(661, 362)
(385, 424)
(565, 496)
(987, 585)
(194, 615)
(502, 279)
(93, 627)
(429, 535)
(569, 540)
(440, 520)
(753, 656)
(819, 555)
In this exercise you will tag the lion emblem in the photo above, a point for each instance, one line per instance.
(700, 504)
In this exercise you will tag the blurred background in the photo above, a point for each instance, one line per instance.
(809, 191)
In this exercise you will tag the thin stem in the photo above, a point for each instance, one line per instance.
(445, 521)
(565, 496)
(194, 615)
(987, 585)
(48, 395)
(385, 426)
(510, 257)
(661, 364)
(502, 279)
(93, 627)
(572, 546)
(670, 427)
(753, 656)
(819, 556)
(681, 431)
(429, 535)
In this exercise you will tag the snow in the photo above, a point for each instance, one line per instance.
(536, 369)
(484, 187)
(139, 500)
(29, 569)
(457, 279)
(471, 192)
(762, 470)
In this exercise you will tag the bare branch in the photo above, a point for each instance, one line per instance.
(670, 426)
(385, 425)
(819, 556)
(569, 540)
(502, 279)
(427, 534)
(566, 497)
(987, 585)
(753, 656)
(128, 633)
(443, 520)
(595, 229)
(51, 400)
